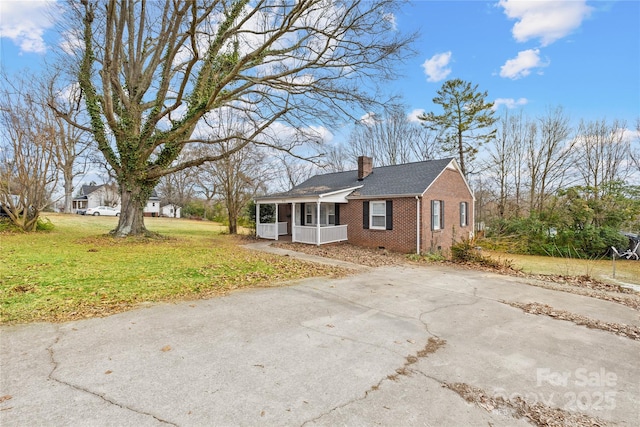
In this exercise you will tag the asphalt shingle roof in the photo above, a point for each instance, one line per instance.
(405, 179)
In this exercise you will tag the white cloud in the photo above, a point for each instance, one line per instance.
(324, 134)
(510, 103)
(368, 119)
(547, 20)
(522, 64)
(25, 22)
(391, 19)
(436, 67)
(71, 42)
(413, 115)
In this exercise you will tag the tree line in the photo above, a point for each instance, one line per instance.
(220, 100)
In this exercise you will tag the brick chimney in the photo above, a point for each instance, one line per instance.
(365, 167)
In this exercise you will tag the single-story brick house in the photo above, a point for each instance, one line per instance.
(414, 207)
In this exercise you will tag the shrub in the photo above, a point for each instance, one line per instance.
(44, 224)
(467, 252)
(428, 257)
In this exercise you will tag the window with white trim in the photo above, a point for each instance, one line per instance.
(308, 209)
(437, 214)
(331, 214)
(378, 215)
(464, 212)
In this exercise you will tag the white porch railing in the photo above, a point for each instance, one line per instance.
(282, 228)
(268, 230)
(309, 234)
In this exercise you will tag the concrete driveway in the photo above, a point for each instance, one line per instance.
(388, 346)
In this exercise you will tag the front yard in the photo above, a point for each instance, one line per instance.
(77, 271)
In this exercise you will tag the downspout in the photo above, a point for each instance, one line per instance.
(418, 225)
(318, 222)
(258, 219)
(276, 222)
(293, 222)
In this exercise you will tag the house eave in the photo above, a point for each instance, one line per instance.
(384, 196)
(336, 196)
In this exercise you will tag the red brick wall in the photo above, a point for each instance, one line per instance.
(401, 239)
(451, 189)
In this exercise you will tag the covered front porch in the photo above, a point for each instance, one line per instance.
(308, 217)
(312, 223)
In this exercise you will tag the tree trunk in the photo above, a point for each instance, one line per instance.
(131, 221)
(68, 191)
(461, 155)
(233, 223)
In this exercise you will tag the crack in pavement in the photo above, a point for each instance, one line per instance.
(433, 344)
(104, 398)
(344, 337)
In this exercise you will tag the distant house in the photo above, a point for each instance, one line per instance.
(153, 205)
(415, 207)
(91, 196)
(171, 211)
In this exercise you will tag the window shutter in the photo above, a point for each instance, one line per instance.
(337, 212)
(365, 214)
(461, 218)
(303, 214)
(442, 214)
(389, 215)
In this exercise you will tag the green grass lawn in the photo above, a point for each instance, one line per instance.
(627, 271)
(78, 271)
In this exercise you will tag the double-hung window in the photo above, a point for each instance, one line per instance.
(308, 211)
(331, 214)
(378, 217)
(464, 214)
(437, 214)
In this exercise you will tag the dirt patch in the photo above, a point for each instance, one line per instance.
(538, 414)
(347, 252)
(627, 331)
(433, 344)
(631, 299)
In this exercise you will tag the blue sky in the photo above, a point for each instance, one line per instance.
(581, 55)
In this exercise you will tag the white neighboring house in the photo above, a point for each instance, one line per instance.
(171, 211)
(153, 205)
(92, 196)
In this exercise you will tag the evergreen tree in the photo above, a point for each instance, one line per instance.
(466, 122)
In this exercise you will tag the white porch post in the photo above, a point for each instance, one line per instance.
(293, 222)
(257, 219)
(318, 222)
(277, 221)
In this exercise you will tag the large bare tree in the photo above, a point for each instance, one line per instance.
(151, 71)
(505, 163)
(386, 137)
(27, 149)
(72, 143)
(603, 153)
(548, 155)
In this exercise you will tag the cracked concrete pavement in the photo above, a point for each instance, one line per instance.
(325, 352)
